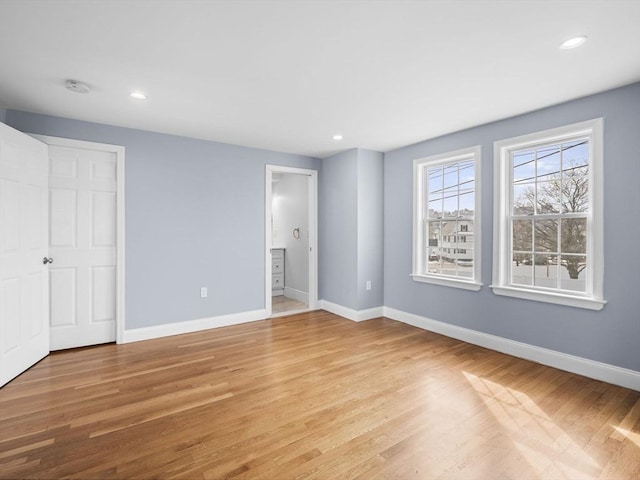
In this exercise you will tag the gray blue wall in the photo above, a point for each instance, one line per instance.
(611, 335)
(338, 229)
(351, 229)
(370, 228)
(194, 217)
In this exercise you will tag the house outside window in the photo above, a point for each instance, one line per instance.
(548, 243)
(446, 206)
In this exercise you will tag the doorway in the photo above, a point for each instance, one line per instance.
(291, 240)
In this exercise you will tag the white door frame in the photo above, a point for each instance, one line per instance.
(313, 232)
(120, 237)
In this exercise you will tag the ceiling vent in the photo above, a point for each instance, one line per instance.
(76, 86)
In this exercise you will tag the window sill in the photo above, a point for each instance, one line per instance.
(447, 282)
(557, 298)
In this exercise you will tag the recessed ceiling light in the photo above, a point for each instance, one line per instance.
(138, 95)
(573, 42)
(337, 136)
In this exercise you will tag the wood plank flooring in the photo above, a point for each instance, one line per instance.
(312, 396)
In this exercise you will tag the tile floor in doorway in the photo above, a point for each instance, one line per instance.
(281, 304)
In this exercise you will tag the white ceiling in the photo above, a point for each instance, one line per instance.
(287, 75)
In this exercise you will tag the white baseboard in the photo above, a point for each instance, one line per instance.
(298, 295)
(189, 326)
(570, 363)
(354, 315)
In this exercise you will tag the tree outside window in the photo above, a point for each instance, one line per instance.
(550, 208)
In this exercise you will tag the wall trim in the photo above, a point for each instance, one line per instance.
(350, 314)
(298, 295)
(190, 326)
(552, 358)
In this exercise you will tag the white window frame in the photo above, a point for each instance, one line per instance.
(503, 179)
(419, 168)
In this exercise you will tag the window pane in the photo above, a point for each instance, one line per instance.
(450, 206)
(466, 188)
(435, 267)
(548, 163)
(448, 266)
(433, 236)
(524, 166)
(467, 203)
(523, 199)
(546, 271)
(434, 189)
(434, 175)
(465, 268)
(575, 154)
(467, 171)
(575, 180)
(546, 235)
(448, 252)
(464, 256)
(522, 269)
(548, 197)
(433, 259)
(450, 175)
(435, 208)
(573, 273)
(574, 235)
(575, 192)
(522, 235)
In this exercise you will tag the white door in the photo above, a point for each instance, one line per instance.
(83, 245)
(24, 308)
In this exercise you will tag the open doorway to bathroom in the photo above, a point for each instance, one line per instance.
(290, 234)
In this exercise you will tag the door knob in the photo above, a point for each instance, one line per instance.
(46, 260)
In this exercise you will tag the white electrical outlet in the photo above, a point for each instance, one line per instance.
(368, 284)
(203, 292)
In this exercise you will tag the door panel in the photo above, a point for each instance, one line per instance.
(63, 296)
(24, 306)
(9, 199)
(10, 294)
(103, 294)
(34, 302)
(103, 219)
(63, 218)
(83, 185)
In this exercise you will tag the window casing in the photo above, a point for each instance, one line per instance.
(548, 240)
(446, 219)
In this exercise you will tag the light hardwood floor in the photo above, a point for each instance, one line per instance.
(312, 396)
